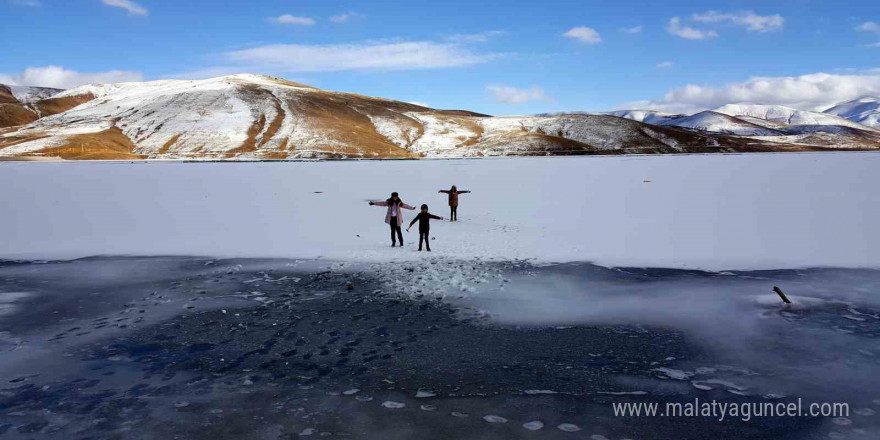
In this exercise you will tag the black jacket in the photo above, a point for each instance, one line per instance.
(424, 221)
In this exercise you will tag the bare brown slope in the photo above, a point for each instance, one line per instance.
(348, 132)
(15, 114)
(53, 106)
(6, 96)
(12, 112)
(109, 144)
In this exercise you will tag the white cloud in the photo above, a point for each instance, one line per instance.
(665, 64)
(816, 91)
(513, 95)
(32, 3)
(877, 44)
(481, 37)
(346, 17)
(675, 28)
(130, 6)
(290, 19)
(751, 21)
(58, 77)
(382, 55)
(632, 30)
(869, 26)
(583, 34)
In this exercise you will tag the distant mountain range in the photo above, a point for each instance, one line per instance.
(865, 111)
(255, 117)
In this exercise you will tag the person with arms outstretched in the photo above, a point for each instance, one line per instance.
(424, 219)
(393, 216)
(453, 201)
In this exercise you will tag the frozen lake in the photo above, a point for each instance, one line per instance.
(569, 284)
(719, 212)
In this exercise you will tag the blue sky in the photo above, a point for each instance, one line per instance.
(497, 57)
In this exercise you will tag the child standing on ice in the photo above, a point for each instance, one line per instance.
(424, 219)
(393, 216)
(453, 201)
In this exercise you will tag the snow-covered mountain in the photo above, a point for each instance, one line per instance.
(27, 94)
(261, 117)
(646, 116)
(768, 122)
(864, 110)
(787, 115)
(708, 121)
(719, 123)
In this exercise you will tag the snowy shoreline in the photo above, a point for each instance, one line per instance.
(604, 153)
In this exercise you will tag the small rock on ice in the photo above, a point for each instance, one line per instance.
(393, 405)
(460, 415)
(421, 394)
(307, 432)
(494, 419)
(351, 392)
(428, 408)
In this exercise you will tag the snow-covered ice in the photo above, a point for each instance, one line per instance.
(717, 212)
(393, 405)
(534, 425)
(568, 427)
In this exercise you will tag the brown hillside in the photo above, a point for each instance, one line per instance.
(53, 106)
(6, 96)
(109, 144)
(15, 114)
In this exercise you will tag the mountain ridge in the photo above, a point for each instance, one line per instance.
(259, 117)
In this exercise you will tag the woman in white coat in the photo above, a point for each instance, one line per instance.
(393, 216)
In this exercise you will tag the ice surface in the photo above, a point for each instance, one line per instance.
(716, 212)
(8, 300)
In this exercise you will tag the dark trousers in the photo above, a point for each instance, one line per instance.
(423, 235)
(453, 213)
(395, 227)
